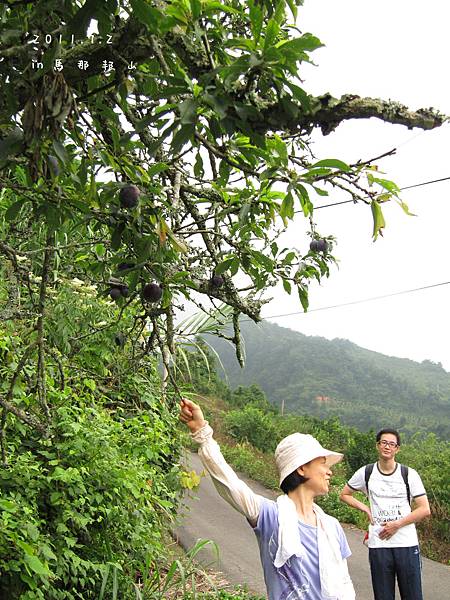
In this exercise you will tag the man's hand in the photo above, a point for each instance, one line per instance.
(369, 515)
(389, 529)
(347, 497)
(191, 414)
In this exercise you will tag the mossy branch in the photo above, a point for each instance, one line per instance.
(328, 112)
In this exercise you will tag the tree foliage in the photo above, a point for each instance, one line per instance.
(199, 105)
(151, 153)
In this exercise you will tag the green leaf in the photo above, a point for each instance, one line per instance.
(332, 163)
(116, 238)
(287, 207)
(263, 260)
(14, 210)
(11, 144)
(234, 267)
(157, 168)
(8, 505)
(405, 208)
(243, 213)
(271, 34)
(287, 286)
(388, 185)
(303, 196)
(224, 172)
(178, 244)
(36, 565)
(146, 14)
(256, 20)
(300, 95)
(196, 8)
(223, 266)
(378, 219)
(198, 166)
(79, 24)
(26, 547)
(303, 297)
(292, 5)
(306, 43)
(279, 11)
(220, 7)
(188, 111)
(60, 151)
(182, 136)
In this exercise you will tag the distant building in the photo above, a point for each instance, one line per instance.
(323, 399)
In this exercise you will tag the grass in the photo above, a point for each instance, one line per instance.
(179, 577)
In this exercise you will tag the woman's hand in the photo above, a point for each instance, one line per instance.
(191, 414)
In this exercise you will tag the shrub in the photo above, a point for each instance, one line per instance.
(94, 493)
(252, 425)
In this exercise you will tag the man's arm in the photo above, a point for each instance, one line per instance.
(420, 512)
(230, 487)
(347, 497)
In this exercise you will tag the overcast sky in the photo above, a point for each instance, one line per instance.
(393, 49)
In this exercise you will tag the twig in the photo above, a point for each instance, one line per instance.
(41, 377)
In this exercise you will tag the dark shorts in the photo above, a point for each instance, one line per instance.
(387, 564)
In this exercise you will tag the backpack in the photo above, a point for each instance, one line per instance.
(404, 471)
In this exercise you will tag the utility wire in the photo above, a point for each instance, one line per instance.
(406, 187)
(425, 287)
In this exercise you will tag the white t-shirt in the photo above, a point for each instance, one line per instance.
(389, 502)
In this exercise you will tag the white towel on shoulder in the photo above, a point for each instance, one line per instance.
(332, 567)
(289, 543)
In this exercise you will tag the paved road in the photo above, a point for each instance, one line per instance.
(210, 517)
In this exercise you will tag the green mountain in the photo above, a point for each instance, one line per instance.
(326, 378)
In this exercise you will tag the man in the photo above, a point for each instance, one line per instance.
(393, 543)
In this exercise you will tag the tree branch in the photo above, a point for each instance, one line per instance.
(41, 376)
(329, 112)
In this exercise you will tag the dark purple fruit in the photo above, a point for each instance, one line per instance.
(318, 245)
(152, 292)
(120, 339)
(53, 164)
(129, 196)
(115, 293)
(124, 266)
(322, 245)
(124, 291)
(216, 281)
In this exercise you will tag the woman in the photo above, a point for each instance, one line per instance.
(303, 550)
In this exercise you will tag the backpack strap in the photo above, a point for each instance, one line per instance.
(404, 471)
(367, 473)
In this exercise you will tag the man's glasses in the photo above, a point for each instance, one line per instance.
(386, 443)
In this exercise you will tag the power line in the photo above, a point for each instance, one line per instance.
(406, 187)
(425, 287)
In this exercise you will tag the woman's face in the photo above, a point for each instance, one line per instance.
(318, 474)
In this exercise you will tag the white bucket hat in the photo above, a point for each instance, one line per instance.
(298, 449)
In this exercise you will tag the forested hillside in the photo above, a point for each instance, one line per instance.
(325, 378)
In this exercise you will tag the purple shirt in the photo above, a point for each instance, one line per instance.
(297, 579)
